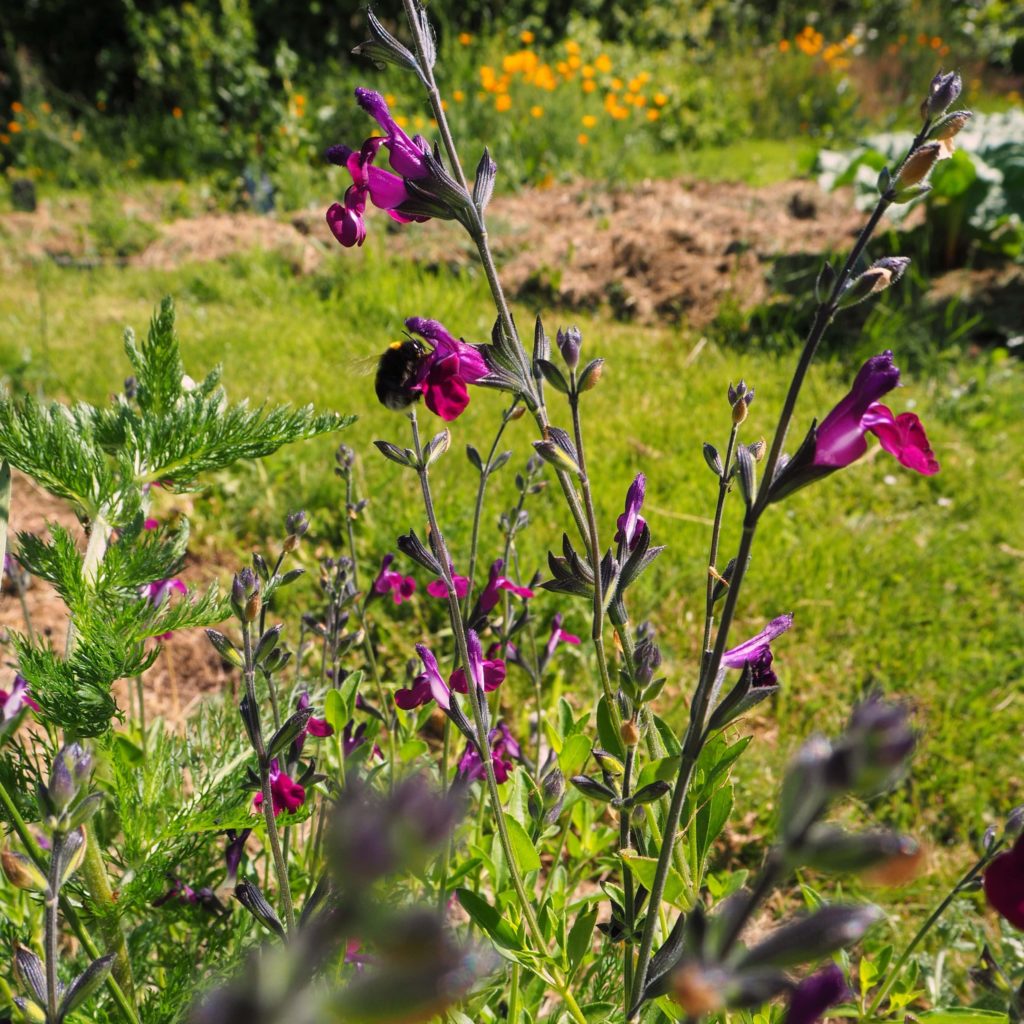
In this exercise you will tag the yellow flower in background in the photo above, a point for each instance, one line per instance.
(563, 68)
(617, 84)
(465, 38)
(652, 114)
(536, 111)
(444, 106)
(640, 101)
(589, 85)
(77, 135)
(503, 103)
(458, 95)
(575, 62)
(402, 122)
(603, 63)
(571, 46)
(13, 127)
(660, 99)
(582, 138)
(46, 108)
(17, 107)
(587, 71)
(177, 113)
(527, 37)
(589, 121)
(389, 99)
(5, 138)
(784, 46)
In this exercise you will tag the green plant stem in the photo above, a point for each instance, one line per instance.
(280, 864)
(628, 908)
(271, 685)
(597, 623)
(485, 475)
(371, 657)
(124, 1004)
(925, 928)
(52, 896)
(716, 531)
(476, 701)
(513, 999)
(693, 739)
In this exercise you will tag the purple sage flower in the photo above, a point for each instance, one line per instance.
(11, 703)
(233, 851)
(438, 588)
(558, 636)
(840, 437)
(630, 524)
(505, 750)
(816, 994)
(491, 593)
(1004, 884)
(757, 653)
(451, 364)
(400, 587)
(285, 792)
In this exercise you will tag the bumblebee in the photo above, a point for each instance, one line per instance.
(396, 373)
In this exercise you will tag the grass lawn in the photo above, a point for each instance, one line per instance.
(897, 581)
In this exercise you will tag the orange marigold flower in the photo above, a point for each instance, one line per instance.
(603, 63)
(465, 38)
(589, 121)
(5, 138)
(536, 111)
(922, 39)
(17, 107)
(46, 108)
(784, 46)
(660, 99)
(652, 114)
(589, 85)
(587, 71)
(617, 84)
(574, 61)
(177, 113)
(571, 46)
(527, 37)
(583, 138)
(458, 95)
(77, 135)
(503, 103)
(13, 127)
(936, 42)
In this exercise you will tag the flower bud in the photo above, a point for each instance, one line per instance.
(757, 449)
(630, 733)
(252, 607)
(942, 93)
(698, 990)
(610, 764)
(517, 413)
(22, 872)
(916, 169)
(879, 276)
(592, 788)
(345, 457)
(70, 771)
(591, 375)
(569, 344)
(713, 459)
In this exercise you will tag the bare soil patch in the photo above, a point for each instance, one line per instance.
(186, 671)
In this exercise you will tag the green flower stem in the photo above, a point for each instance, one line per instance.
(280, 864)
(693, 740)
(597, 624)
(476, 701)
(52, 896)
(125, 1005)
(628, 908)
(371, 657)
(485, 475)
(716, 531)
(894, 972)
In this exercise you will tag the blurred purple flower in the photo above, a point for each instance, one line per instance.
(631, 523)
(11, 703)
(815, 994)
(353, 737)
(184, 893)
(151, 524)
(159, 590)
(558, 636)
(401, 587)
(491, 593)
(1004, 884)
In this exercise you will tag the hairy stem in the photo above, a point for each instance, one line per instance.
(52, 896)
(280, 864)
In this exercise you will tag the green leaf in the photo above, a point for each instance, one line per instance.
(644, 868)
(962, 1015)
(412, 749)
(574, 755)
(523, 847)
(580, 938)
(665, 769)
(606, 731)
(334, 711)
(711, 819)
(487, 917)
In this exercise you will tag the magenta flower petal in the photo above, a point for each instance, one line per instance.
(840, 438)
(438, 687)
(902, 436)
(630, 524)
(346, 225)
(438, 588)
(406, 156)
(319, 727)
(1004, 884)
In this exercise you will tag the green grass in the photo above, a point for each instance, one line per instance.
(896, 581)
